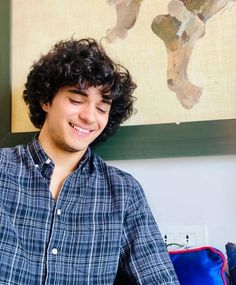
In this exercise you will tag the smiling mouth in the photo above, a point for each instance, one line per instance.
(78, 129)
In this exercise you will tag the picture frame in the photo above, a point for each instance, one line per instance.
(216, 137)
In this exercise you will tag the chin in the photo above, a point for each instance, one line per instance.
(72, 147)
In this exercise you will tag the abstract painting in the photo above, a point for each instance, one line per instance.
(179, 29)
(178, 52)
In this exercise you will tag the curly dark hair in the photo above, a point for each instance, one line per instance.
(81, 63)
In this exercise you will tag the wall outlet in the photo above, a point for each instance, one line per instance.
(187, 239)
(176, 236)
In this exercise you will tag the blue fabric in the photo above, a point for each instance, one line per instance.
(100, 224)
(199, 266)
(231, 254)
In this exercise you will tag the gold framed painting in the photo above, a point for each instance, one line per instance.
(185, 110)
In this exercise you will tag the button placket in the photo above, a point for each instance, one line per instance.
(55, 250)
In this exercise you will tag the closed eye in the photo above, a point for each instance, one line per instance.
(102, 111)
(75, 101)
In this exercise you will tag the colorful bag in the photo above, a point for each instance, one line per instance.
(199, 266)
(231, 254)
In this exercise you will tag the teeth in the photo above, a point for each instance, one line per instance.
(80, 129)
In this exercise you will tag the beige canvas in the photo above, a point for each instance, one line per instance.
(37, 25)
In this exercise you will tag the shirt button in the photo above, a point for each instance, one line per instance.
(54, 251)
(58, 212)
(48, 161)
(36, 165)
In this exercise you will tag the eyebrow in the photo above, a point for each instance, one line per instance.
(78, 91)
(82, 92)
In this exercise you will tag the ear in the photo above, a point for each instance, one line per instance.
(45, 106)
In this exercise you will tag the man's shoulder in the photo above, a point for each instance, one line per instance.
(119, 182)
(11, 154)
(113, 172)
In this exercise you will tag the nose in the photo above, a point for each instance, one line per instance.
(87, 113)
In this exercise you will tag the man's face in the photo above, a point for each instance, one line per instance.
(74, 119)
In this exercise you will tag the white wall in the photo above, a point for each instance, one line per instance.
(194, 190)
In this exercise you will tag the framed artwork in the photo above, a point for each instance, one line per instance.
(165, 125)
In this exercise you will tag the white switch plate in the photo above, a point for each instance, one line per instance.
(184, 235)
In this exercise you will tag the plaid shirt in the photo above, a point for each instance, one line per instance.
(100, 226)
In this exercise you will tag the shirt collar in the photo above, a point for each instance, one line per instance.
(41, 159)
(37, 153)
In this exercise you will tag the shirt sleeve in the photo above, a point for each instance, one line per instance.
(143, 258)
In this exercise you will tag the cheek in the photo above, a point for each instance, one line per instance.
(105, 121)
(102, 125)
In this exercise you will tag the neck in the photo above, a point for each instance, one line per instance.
(63, 160)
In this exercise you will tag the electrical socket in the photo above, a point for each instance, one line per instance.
(168, 238)
(183, 235)
(187, 239)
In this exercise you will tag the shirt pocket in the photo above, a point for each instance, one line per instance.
(95, 247)
(8, 236)
(10, 240)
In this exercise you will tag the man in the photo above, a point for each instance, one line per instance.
(66, 216)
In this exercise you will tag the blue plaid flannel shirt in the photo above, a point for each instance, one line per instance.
(99, 228)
